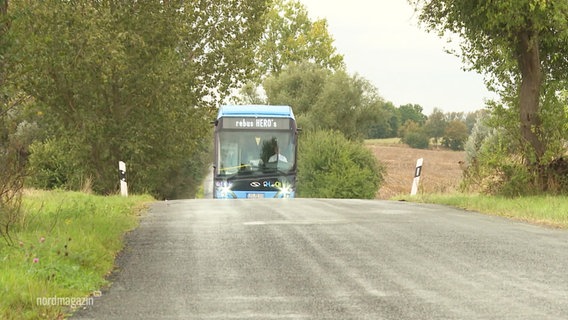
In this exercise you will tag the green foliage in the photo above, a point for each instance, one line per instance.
(347, 104)
(52, 166)
(291, 40)
(498, 161)
(411, 112)
(326, 100)
(331, 166)
(435, 126)
(521, 47)
(516, 180)
(450, 127)
(298, 85)
(479, 132)
(455, 135)
(65, 246)
(417, 140)
(133, 82)
(472, 118)
(386, 124)
(495, 165)
(11, 188)
(5, 41)
(248, 94)
(291, 37)
(15, 134)
(414, 135)
(490, 33)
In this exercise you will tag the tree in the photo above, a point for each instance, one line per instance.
(455, 135)
(326, 100)
(472, 118)
(386, 124)
(521, 45)
(394, 118)
(436, 124)
(291, 37)
(298, 85)
(411, 112)
(16, 132)
(249, 94)
(476, 139)
(349, 104)
(134, 81)
(290, 40)
(11, 177)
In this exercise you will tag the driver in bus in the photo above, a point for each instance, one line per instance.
(277, 156)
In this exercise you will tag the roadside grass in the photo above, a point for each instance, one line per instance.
(65, 245)
(550, 211)
(440, 181)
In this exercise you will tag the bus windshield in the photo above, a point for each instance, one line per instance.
(255, 152)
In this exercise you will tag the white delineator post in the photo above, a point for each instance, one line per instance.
(417, 173)
(122, 176)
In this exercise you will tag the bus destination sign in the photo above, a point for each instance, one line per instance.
(256, 123)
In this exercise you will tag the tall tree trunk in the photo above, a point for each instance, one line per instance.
(529, 96)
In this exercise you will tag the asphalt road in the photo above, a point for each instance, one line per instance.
(334, 259)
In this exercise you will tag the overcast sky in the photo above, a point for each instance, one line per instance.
(381, 41)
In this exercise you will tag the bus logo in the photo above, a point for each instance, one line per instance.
(255, 184)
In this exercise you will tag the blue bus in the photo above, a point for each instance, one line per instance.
(255, 152)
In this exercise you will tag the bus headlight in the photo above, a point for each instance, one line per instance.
(223, 190)
(286, 191)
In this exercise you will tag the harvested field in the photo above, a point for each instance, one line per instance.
(441, 171)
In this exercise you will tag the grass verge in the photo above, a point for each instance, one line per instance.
(545, 210)
(66, 243)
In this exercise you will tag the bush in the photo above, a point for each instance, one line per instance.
(495, 166)
(416, 140)
(11, 186)
(414, 135)
(330, 166)
(455, 135)
(51, 167)
(476, 139)
(15, 135)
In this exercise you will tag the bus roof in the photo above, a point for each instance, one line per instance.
(255, 111)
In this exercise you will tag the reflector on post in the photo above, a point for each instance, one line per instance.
(417, 173)
(122, 177)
